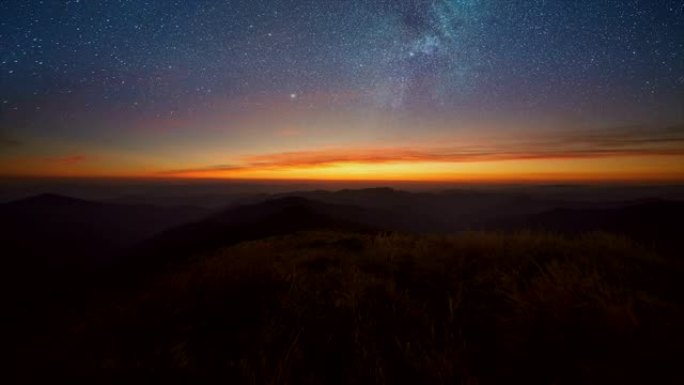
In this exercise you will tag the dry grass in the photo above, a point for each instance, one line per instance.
(474, 308)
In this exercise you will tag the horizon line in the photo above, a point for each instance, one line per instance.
(465, 181)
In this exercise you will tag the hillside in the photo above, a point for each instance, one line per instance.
(283, 215)
(60, 231)
(339, 307)
(54, 247)
(656, 223)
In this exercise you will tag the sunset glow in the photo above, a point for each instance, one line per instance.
(615, 169)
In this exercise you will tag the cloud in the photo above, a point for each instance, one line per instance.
(632, 141)
(219, 167)
(6, 142)
(627, 136)
(68, 160)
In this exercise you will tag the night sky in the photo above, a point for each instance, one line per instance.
(323, 89)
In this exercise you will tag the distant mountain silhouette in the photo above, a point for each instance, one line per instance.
(273, 217)
(385, 209)
(430, 212)
(53, 230)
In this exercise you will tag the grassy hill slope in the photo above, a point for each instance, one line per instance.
(341, 308)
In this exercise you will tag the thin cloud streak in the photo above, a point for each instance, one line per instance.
(6, 142)
(68, 160)
(610, 143)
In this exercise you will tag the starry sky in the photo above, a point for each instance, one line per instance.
(343, 89)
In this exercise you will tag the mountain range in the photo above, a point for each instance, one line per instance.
(55, 231)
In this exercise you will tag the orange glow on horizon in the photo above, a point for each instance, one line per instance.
(654, 168)
(359, 164)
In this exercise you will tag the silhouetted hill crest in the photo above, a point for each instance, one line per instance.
(654, 222)
(283, 215)
(56, 230)
(49, 200)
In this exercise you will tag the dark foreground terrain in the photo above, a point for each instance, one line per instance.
(374, 286)
(333, 307)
